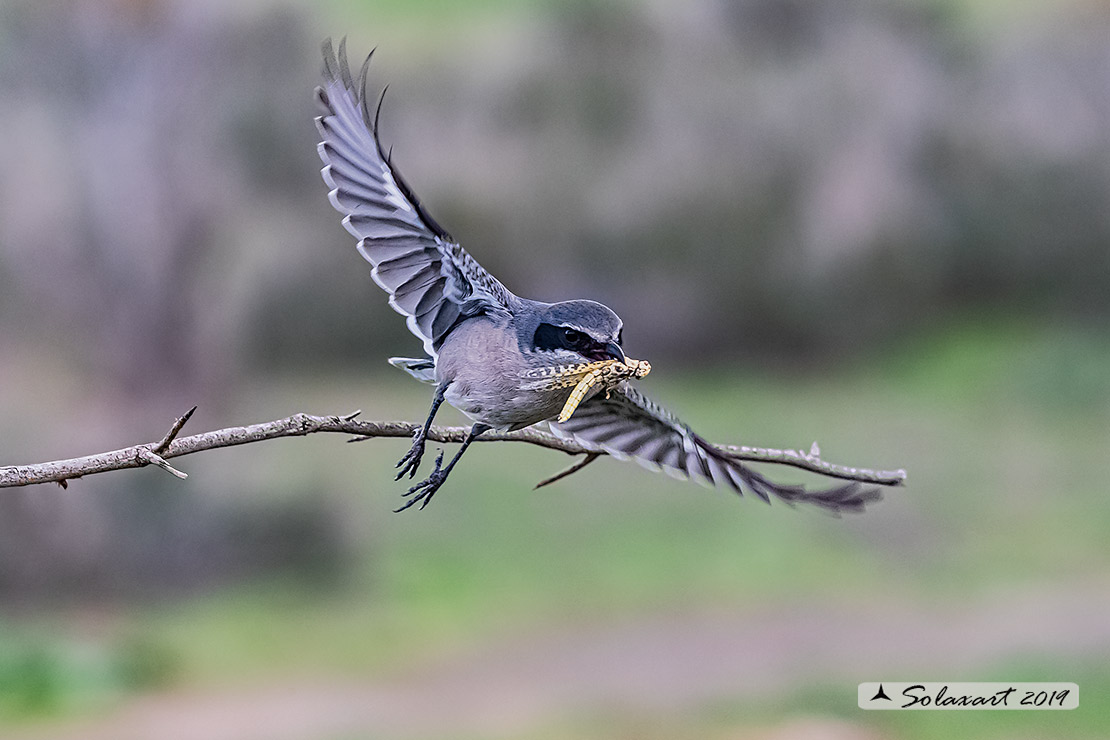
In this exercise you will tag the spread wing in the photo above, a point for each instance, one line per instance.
(430, 279)
(627, 425)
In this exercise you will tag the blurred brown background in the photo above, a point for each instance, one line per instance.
(883, 225)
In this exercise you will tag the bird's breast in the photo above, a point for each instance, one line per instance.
(490, 379)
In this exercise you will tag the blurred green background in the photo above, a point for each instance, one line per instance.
(881, 225)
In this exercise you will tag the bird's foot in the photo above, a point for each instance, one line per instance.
(411, 461)
(423, 491)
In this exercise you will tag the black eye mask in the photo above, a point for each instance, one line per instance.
(549, 337)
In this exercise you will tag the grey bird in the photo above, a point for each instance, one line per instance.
(489, 350)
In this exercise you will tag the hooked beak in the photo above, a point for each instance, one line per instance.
(614, 351)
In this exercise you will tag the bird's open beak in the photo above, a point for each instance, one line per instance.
(614, 350)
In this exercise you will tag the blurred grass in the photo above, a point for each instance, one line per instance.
(1002, 426)
(41, 674)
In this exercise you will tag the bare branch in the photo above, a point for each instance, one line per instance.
(812, 462)
(299, 425)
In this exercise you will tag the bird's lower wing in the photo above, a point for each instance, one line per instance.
(629, 426)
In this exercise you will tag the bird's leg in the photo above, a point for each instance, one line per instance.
(422, 492)
(411, 461)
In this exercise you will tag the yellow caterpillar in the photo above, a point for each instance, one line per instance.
(606, 372)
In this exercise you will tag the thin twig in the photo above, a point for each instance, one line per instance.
(152, 458)
(298, 425)
(589, 458)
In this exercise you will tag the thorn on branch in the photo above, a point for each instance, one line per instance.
(164, 445)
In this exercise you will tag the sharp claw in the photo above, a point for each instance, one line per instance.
(406, 505)
(412, 468)
(410, 463)
(424, 490)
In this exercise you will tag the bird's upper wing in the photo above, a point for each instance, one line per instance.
(430, 279)
(628, 425)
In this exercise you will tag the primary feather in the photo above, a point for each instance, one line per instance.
(431, 280)
(627, 425)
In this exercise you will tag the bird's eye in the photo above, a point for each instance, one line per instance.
(572, 337)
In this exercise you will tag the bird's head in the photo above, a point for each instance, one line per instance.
(572, 332)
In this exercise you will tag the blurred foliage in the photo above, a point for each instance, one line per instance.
(144, 536)
(794, 180)
(756, 179)
(42, 675)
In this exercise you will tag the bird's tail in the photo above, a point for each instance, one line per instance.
(423, 369)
